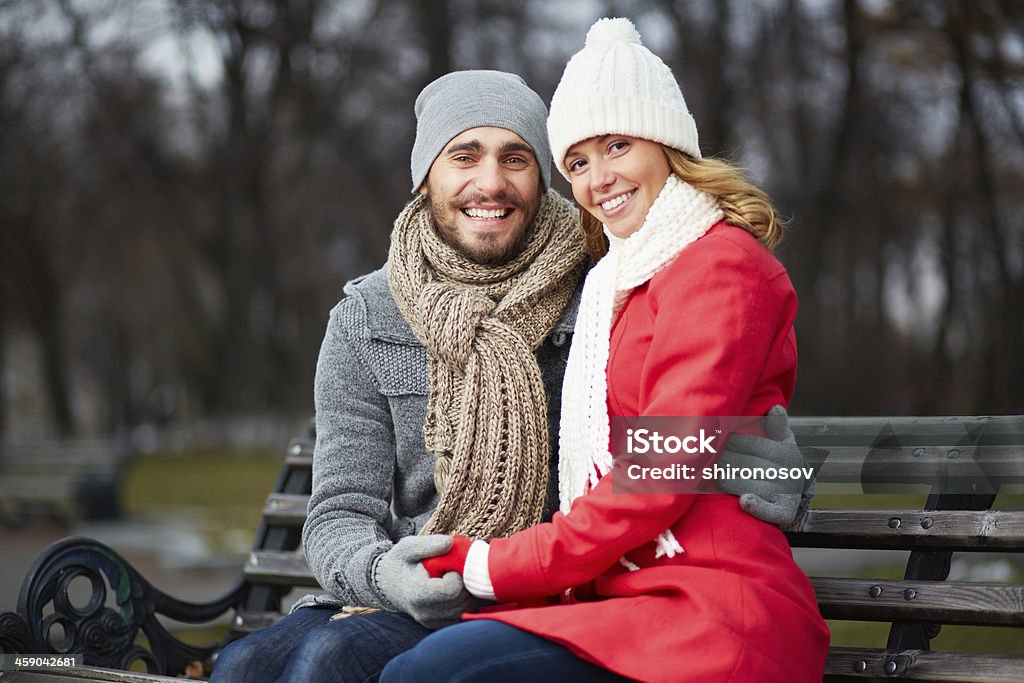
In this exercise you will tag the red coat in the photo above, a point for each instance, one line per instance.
(711, 334)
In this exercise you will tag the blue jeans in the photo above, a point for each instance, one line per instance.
(307, 646)
(491, 652)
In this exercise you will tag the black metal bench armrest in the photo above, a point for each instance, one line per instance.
(105, 633)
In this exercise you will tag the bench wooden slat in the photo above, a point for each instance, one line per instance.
(977, 604)
(85, 673)
(303, 461)
(857, 664)
(914, 464)
(285, 509)
(987, 530)
(279, 568)
(254, 621)
(994, 429)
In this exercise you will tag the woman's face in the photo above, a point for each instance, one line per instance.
(616, 178)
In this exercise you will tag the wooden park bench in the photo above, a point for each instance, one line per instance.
(962, 460)
(60, 481)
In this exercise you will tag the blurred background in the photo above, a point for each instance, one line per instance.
(185, 185)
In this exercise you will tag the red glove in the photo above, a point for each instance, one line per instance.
(452, 561)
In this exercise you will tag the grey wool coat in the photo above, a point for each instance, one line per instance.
(373, 479)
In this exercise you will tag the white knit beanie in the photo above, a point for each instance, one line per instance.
(615, 85)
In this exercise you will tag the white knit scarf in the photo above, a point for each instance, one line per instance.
(679, 215)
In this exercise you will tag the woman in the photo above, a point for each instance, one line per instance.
(688, 314)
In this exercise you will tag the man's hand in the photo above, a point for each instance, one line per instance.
(776, 501)
(403, 583)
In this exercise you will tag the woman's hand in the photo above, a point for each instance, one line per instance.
(452, 561)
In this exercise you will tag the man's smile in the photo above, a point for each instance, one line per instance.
(487, 214)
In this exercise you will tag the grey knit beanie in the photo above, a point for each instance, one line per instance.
(462, 100)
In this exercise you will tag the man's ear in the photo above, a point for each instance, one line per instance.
(423, 188)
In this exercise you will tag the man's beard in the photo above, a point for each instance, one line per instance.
(486, 250)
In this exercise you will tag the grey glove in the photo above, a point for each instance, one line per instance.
(776, 501)
(404, 586)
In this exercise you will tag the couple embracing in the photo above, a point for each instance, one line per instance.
(464, 393)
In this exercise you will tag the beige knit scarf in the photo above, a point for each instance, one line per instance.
(486, 406)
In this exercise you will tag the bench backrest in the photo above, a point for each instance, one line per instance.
(958, 466)
(61, 480)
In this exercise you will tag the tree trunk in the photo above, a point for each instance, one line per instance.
(436, 23)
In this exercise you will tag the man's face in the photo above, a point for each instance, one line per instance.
(484, 192)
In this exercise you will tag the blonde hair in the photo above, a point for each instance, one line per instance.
(744, 205)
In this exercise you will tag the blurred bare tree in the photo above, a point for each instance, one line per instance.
(185, 184)
(891, 134)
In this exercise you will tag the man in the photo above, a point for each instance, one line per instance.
(438, 388)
